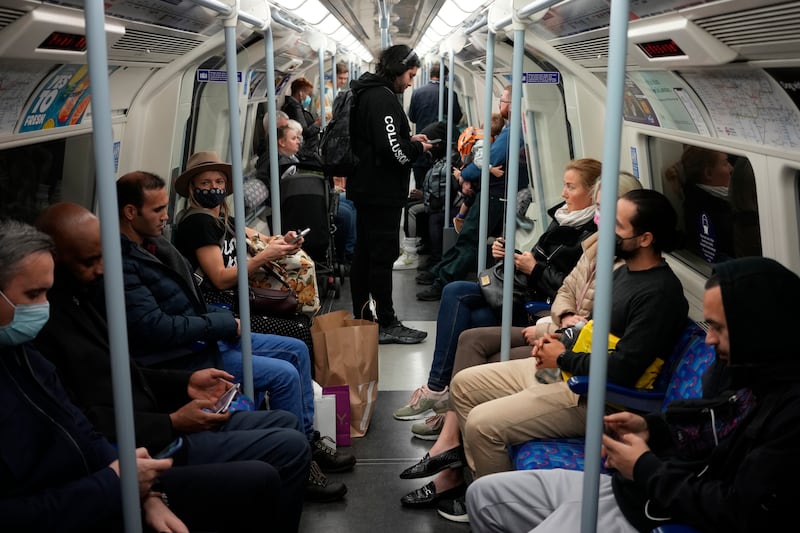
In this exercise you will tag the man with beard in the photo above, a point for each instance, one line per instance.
(502, 404)
(748, 482)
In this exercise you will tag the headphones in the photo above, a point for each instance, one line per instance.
(396, 69)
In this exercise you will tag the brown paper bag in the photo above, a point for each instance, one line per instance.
(346, 353)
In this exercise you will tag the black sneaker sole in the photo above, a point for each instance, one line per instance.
(325, 498)
(387, 339)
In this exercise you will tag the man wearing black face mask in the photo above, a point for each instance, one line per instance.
(748, 482)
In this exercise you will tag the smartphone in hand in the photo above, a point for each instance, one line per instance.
(225, 400)
(170, 450)
(300, 235)
(434, 141)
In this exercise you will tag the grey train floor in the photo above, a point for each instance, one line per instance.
(374, 488)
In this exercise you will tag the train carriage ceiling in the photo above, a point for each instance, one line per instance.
(159, 31)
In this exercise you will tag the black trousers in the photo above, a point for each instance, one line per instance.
(377, 245)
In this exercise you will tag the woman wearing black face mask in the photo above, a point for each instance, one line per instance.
(205, 235)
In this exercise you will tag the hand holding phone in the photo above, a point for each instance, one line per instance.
(434, 141)
(170, 449)
(300, 235)
(225, 400)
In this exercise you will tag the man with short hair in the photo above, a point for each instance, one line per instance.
(747, 482)
(379, 186)
(424, 110)
(58, 472)
(502, 404)
(166, 403)
(170, 326)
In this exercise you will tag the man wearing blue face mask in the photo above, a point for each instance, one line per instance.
(296, 106)
(57, 473)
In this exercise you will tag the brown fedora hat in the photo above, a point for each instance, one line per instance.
(202, 162)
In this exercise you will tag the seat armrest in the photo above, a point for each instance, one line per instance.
(637, 399)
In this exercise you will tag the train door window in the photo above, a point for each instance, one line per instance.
(714, 194)
(35, 176)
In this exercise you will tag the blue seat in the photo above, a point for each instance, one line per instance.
(681, 377)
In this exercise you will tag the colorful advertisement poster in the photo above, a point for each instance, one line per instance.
(61, 101)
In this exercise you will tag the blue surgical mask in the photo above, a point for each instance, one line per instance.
(306, 101)
(28, 321)
(209, 198)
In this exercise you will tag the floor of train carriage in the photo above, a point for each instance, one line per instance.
(374, 486)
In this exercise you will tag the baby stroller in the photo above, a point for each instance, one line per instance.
(308, 202)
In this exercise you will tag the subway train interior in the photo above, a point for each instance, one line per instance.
(718, 75)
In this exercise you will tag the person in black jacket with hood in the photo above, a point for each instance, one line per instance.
(748, 481)
(380, 184)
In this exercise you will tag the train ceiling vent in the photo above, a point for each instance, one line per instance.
(760, 33)
(152, 47)
(588, 53)
(51, 33)
(673, 41)
(9, 15)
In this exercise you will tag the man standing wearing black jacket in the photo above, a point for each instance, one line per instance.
(379, 186)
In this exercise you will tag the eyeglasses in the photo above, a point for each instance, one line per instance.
(411, 54)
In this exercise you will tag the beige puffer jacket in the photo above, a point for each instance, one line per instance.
(576, 294)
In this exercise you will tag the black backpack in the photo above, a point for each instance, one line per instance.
(335, 143)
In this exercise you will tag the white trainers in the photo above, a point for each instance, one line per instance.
(406, 261)
(422, 403)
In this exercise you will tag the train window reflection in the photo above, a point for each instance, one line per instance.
(36, 175)
(714, 194)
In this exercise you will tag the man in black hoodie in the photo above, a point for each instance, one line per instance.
(380, 184)
(748, 482)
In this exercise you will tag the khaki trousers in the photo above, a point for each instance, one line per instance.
(501, 404)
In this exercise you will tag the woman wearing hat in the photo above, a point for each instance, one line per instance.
(205, 236)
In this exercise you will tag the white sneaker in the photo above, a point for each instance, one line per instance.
(422, 403)
(406, 261)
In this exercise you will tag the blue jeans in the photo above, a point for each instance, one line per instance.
(281, 368)
(345, 235)
(462, 307)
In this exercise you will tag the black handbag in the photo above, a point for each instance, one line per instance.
(491, 284)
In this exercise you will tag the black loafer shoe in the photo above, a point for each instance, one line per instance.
(428, 466)
(426, 496)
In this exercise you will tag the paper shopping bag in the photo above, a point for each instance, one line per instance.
(346, 353)
(342, 395)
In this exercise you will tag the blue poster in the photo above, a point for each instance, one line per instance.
(61, 101)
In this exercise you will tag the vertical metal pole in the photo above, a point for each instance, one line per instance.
(271, 133)
(483, 225)
(441, 86)
(512, 179)
(321, 60)
(334, 81)
(102, 137)
(238, 202)
(605, 257)
(449, 152)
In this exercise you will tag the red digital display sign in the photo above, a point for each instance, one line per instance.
(69, 42)
(658, 49)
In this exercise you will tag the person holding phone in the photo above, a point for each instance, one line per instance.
(169, 401)
(59, 473)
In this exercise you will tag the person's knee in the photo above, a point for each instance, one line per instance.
(480, 424)
(274, 371)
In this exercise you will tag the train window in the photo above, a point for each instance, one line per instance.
(36, 175)
(714, 194)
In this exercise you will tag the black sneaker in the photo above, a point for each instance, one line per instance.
(328, 458)
(425, 277)
(397, 333)
(320, 489)
(454, 510)
(431, 294)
